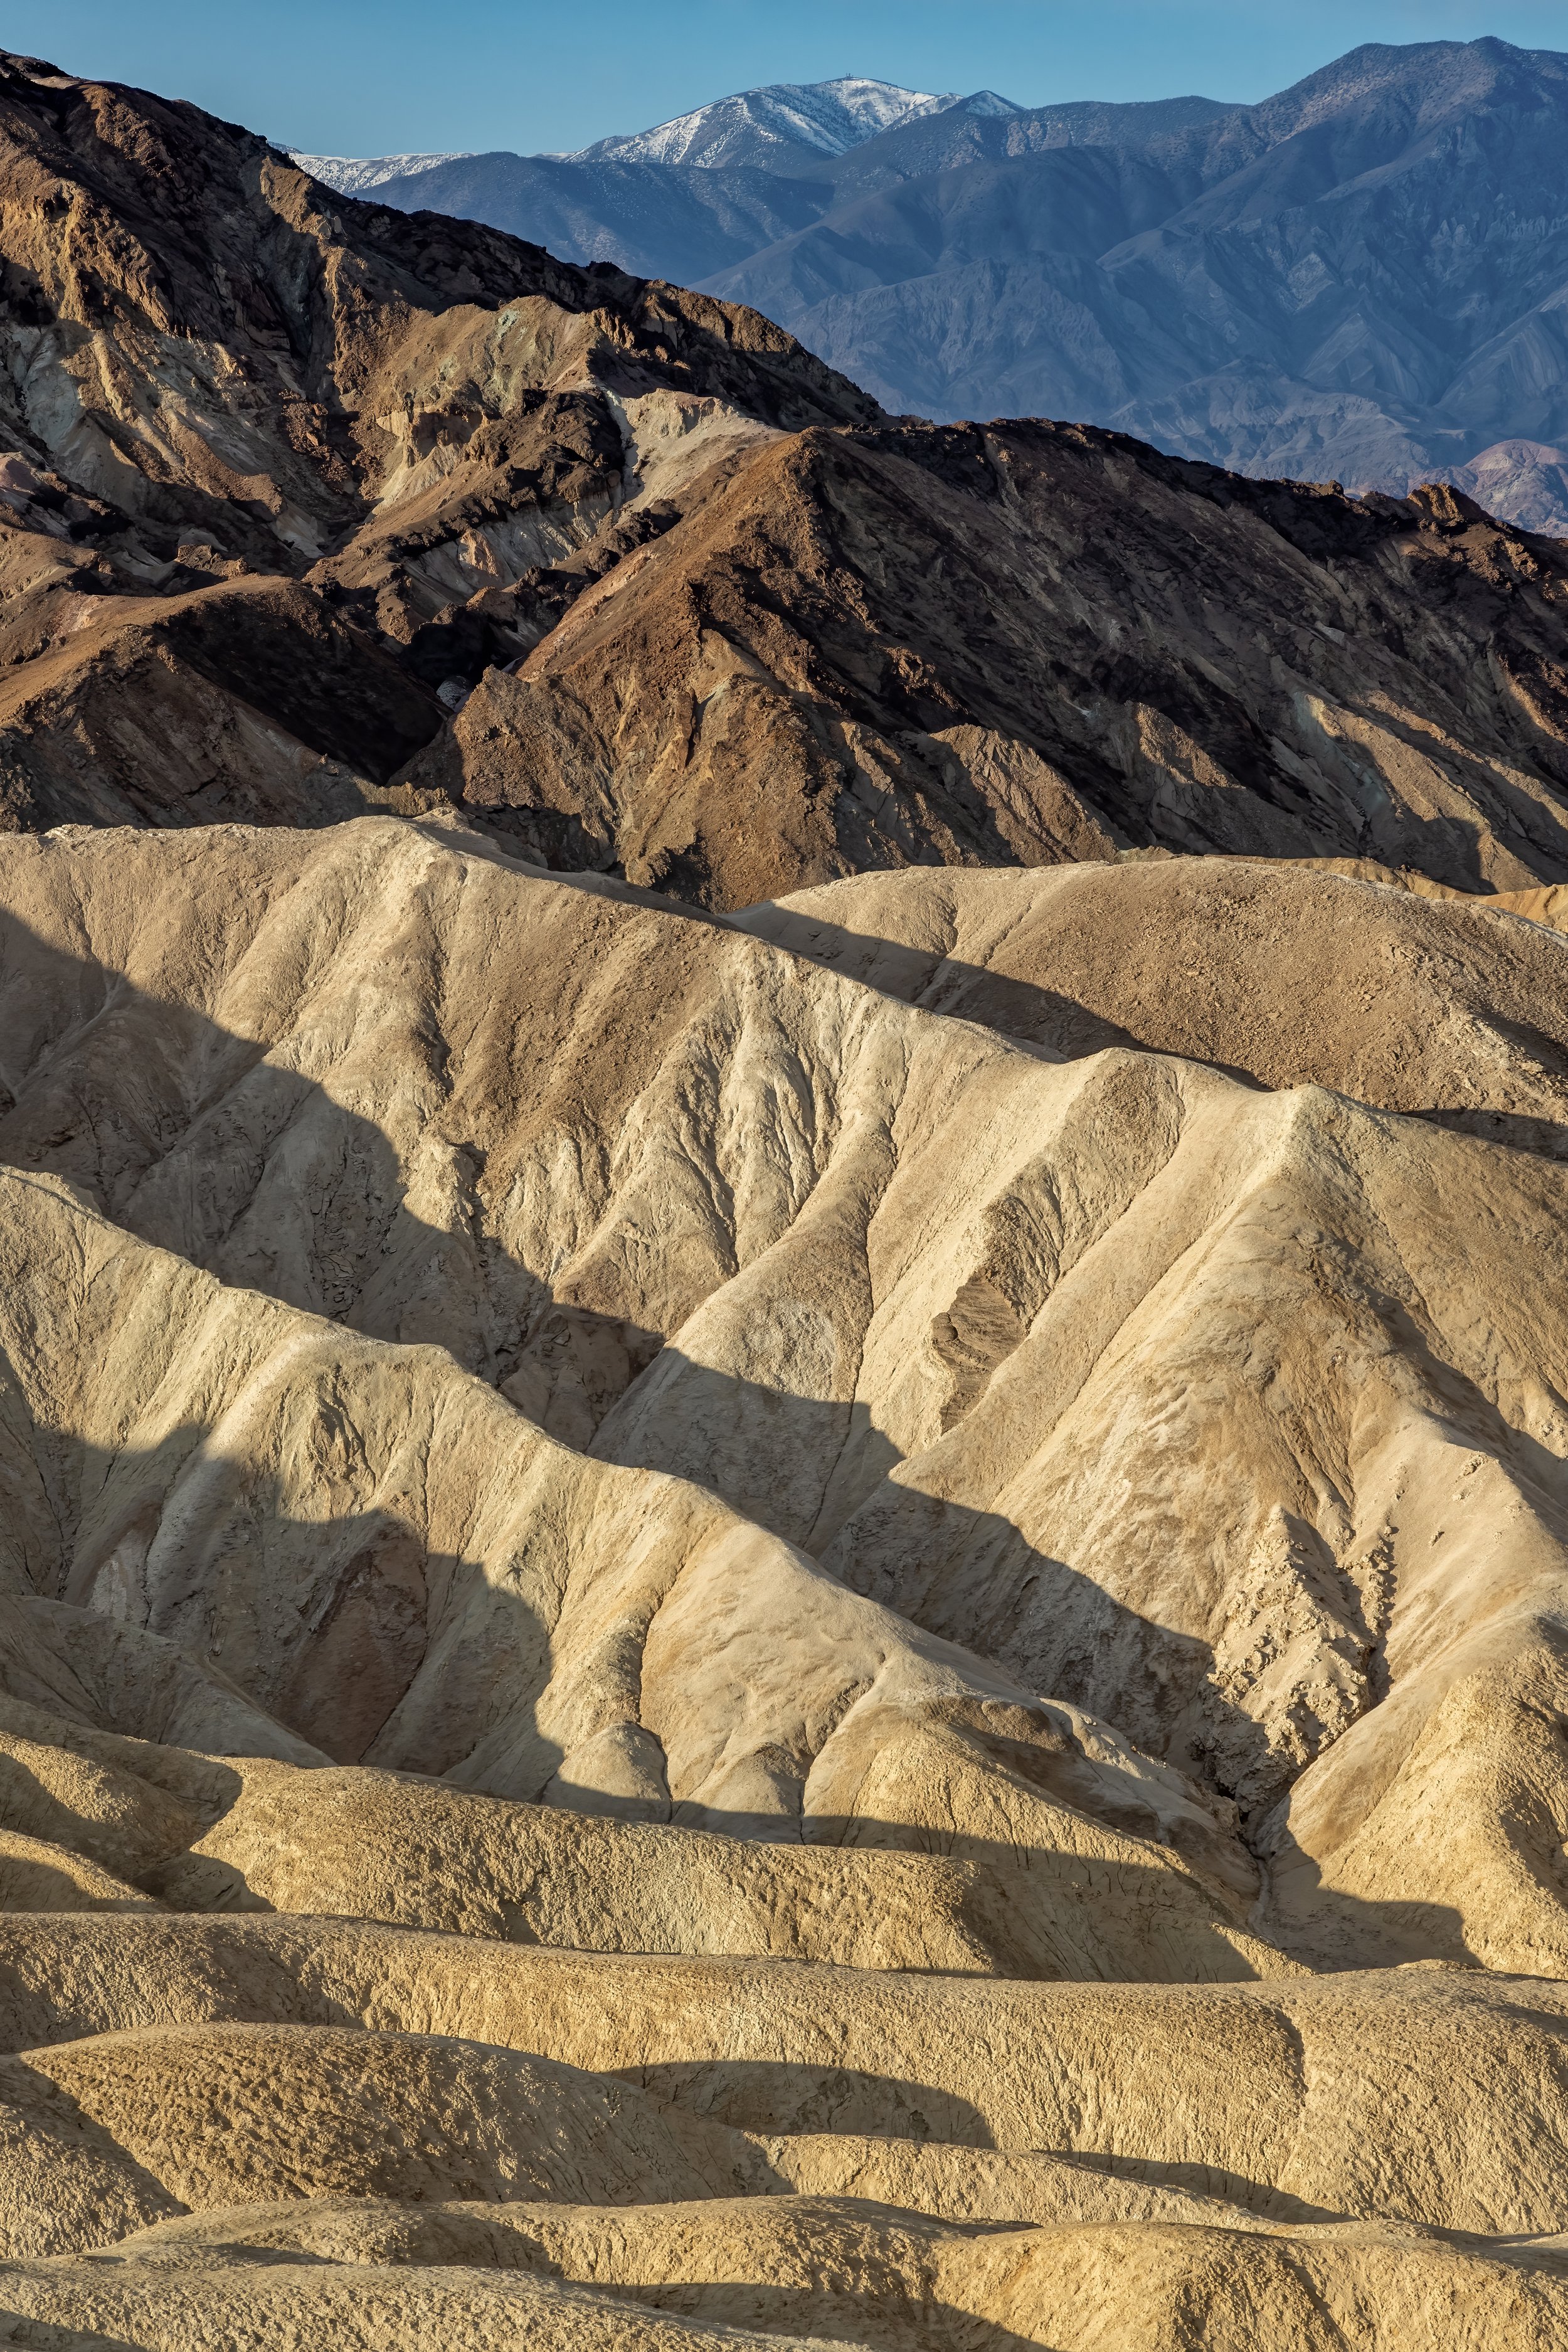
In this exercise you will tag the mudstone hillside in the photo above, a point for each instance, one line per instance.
(784, 1526)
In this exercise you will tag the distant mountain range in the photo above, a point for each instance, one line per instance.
(1363, 279)
(765, 130)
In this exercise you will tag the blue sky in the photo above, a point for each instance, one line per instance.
(373, 77)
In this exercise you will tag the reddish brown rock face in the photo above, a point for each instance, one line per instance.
(1024, 644)
(281, 464)
(316, 506)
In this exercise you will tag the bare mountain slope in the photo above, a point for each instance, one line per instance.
(911, 1296)
(387, 1557)
(1274, 288)
(827, 1614)
(1028, 644)
(1221, 1423)
(262, 435)
(653, 218)
(320, 506)
(847, 2274)
(1447, 1005)
(1359, 278)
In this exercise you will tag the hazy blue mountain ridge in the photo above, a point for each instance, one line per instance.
(974, 132)
(1362, 278)
(657, 220)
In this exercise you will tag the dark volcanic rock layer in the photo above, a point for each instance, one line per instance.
(270, 447)
(1025, 643)
(313, 505)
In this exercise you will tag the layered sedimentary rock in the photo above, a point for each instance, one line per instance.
(719, 2112)
(1221, 1408)
(836, 1616)
(313, 505)
(884, 1587)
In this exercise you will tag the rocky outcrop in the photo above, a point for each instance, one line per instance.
(1028, 644)
(277, 459)
(331, 507)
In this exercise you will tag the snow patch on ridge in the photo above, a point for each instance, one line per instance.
(764, 126)
(826, 117)
(353, 174)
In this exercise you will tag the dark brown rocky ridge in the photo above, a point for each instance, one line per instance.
(293, 476)
(218, 369)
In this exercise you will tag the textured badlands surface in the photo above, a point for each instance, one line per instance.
(826, 1610)
(845, 1625)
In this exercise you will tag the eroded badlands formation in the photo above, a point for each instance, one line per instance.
(876, 1595)
(784, 1537)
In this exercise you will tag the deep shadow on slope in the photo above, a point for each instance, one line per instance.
(967, 1575)
(369, 1593)
(247, 360)
(376, 1608)
(105, 1081)
(379, 1647)
(381, 1620)
(1001, 645)
(253, 700)
(1064, 1026)
(794, 632)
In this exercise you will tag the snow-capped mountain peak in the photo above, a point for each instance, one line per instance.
(991, 103)
(772, 128)
(353, 175)
(785, 122)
